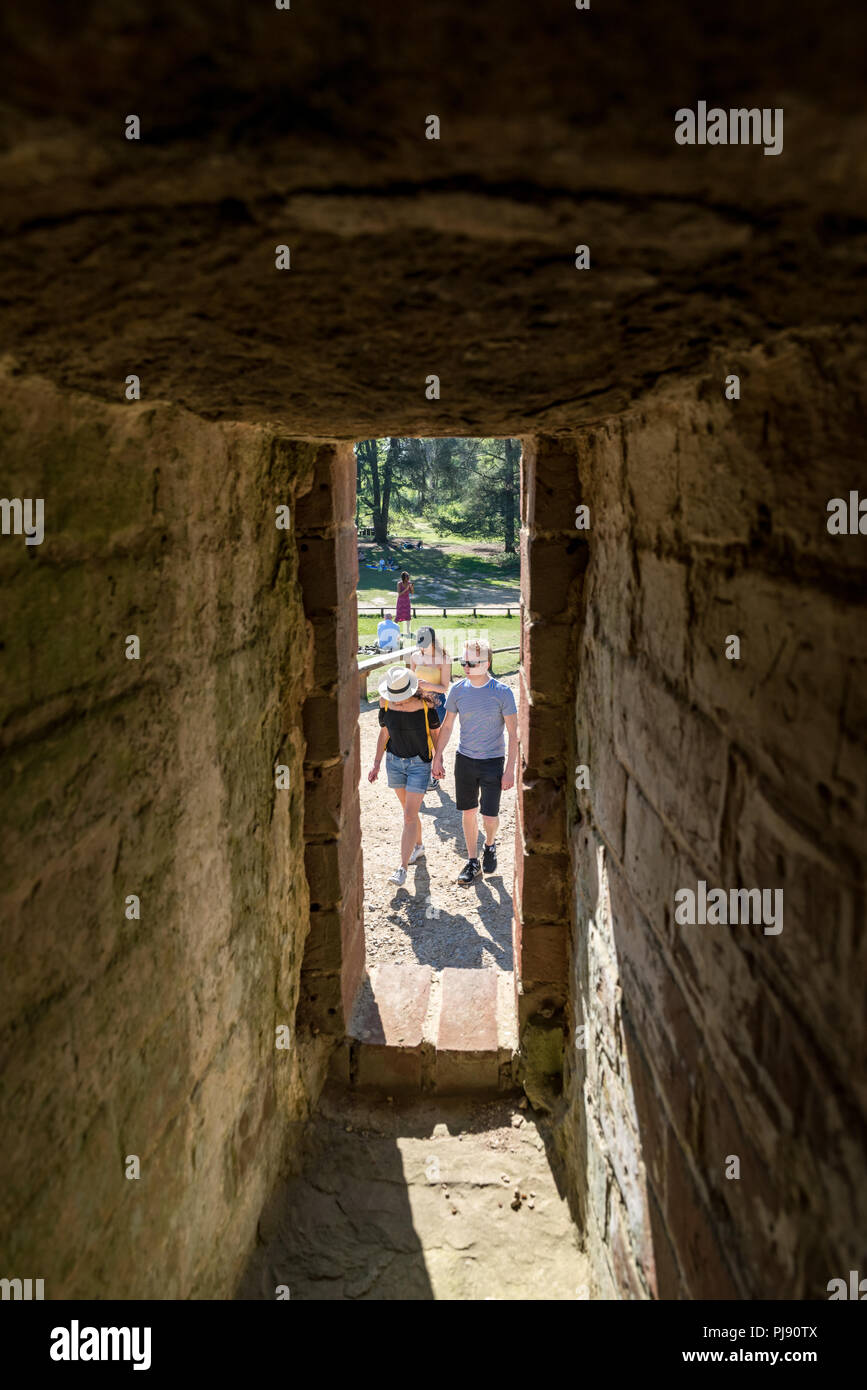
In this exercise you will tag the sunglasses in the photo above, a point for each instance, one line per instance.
(472, 663)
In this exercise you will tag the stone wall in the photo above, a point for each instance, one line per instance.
(708, 1042)
(153, 777)
(553, 561)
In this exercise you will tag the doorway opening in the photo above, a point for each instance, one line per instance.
(439, 580)
(352, 553)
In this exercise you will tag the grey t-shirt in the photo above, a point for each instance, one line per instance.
(481, 713)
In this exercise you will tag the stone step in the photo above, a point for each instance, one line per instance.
(416, 1029)
(467, 1053)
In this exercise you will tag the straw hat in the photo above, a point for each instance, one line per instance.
(399, 684)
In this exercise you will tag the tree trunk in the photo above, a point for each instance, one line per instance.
(391, 460)
(373, 462)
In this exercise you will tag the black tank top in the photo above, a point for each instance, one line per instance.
(406, 732)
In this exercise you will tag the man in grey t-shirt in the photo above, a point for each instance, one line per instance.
(485, 708)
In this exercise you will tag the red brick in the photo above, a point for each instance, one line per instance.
(543, 881)
(323, 949)
(334, 929)
(352, 965)
(545, 656)
(528, 473)
(468, 1011)
(544, 954)
(327, 570)
(542, 808)
(543, 736)
(329, 793)
(330, 863)
(392, 1010)
(335, 646)
(330, 722)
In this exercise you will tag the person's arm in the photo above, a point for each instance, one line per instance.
(380, 749)
(443, 736)
(511, 751)
(430, 689)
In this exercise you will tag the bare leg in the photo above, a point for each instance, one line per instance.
(491, 824)
(471, 832)
(411, 825)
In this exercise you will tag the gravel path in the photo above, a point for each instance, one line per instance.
(432, 920)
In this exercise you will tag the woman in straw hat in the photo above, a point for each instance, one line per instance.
(433, 666)
(408, 725)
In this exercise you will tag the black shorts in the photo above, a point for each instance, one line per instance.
(471, 774)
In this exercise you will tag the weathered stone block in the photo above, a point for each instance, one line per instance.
(542, 735)
(328, 570)
(544, 950)
(542, 809)
(552, 484)
(331, 500)
(329, 793)
(552, 571)
(545, 659)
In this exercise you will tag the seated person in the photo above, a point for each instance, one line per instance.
(388, 635)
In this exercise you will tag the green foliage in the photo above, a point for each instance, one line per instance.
(463, 487)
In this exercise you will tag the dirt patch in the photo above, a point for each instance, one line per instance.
(415, 1198)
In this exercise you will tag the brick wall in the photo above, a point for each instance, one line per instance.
(328, 569)
(553, 560)
(704, 1042)
(155, 777)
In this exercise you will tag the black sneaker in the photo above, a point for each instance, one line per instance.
(471, 870)
(489, 858)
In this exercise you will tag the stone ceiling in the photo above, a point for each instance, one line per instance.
(413, 257)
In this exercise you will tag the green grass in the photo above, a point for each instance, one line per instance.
(500, 632)
(441, 577)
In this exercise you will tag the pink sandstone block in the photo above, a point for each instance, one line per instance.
(392, 1011)
(468, 1016)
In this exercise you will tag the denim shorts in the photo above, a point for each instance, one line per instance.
(411, 773)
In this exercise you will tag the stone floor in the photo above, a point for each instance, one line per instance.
(432, 921)
(415, 1198)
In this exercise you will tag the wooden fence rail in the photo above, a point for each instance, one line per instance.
(481, 610)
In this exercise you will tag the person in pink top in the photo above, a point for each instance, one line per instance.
(403, 613)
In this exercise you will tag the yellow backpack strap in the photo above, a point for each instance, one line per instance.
(387, 734)
(430, 743)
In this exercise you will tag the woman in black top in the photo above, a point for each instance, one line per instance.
(409, 726)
